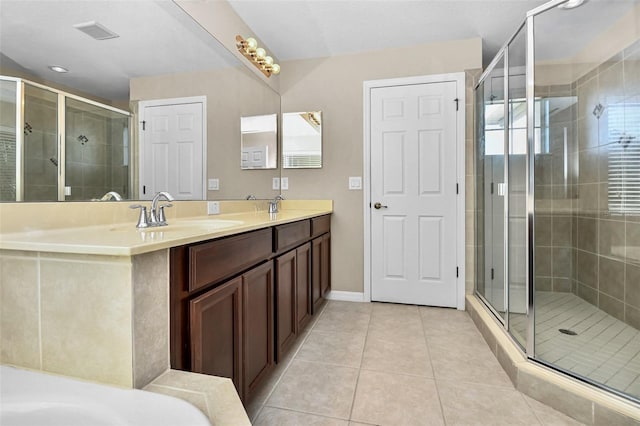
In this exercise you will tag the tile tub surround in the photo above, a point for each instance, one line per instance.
(580, 401)
(388, 364)
(215, 396)
(82, 316)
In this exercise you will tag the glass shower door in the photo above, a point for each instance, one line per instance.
(491, 189)
(41, 151)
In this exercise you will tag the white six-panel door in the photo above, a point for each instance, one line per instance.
(172, 150)
(413, 178)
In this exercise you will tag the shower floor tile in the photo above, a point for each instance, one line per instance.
(604, 349)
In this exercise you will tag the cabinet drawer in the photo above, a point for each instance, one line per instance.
(320, 225)
(291, 234)
(219, 259)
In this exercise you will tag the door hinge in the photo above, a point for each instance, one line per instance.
(457, 272)
(456, 100)
(492, 187)
(144, 189)
(457, 189)
(493, 273)
(144, 125)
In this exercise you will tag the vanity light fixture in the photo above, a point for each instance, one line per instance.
(57, 68)
(571, 4)
(257, 55)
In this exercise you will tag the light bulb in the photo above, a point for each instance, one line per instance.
(268, 60)
(275, 69)
(260, 53)
(252, 44)
(571, 4)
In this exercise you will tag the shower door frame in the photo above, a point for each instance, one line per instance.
(60, 131)
(529, 348)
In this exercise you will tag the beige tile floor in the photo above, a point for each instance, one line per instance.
(386, 364)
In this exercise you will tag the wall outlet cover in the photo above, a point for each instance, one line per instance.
(275, 183)
(284, 183)
(355, 182)
(213, 207)
(213, 184)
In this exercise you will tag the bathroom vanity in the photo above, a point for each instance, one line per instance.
(223, 295)
(238, 303)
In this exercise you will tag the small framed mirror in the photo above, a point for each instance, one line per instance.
(302, 140)
(259, 142)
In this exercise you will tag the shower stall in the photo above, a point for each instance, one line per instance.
(55, 146)
(557, 190)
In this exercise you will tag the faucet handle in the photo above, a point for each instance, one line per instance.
(162, 219)
(142, 219)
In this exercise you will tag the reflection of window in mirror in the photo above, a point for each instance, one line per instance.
(259, 142)
(302, 140)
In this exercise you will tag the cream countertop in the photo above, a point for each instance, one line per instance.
(123, 239)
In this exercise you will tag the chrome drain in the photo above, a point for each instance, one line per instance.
(567, 332)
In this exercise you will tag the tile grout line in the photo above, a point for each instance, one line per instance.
(293, 356)
(435, 382)
(364, 347)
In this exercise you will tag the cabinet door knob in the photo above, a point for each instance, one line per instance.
(379, 206)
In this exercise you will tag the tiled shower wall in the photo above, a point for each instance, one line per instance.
(606, 239)
(586, 242)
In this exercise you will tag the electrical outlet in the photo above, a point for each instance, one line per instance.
(284, 183)
(213, 184)
(355, 182)
(275, 183)
(213, 207)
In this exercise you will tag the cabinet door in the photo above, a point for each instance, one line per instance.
(285, 302)
(325, 265)
(215, 324)
(316, 274)
(257, 333)
(303, 285)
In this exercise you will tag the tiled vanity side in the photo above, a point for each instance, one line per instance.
(68, 314)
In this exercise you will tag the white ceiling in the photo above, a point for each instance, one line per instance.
(157, 37)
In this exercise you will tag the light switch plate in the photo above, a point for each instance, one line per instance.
(213, 207)
(275, 183)
(284, 183)
(213, 184)
(355, 182)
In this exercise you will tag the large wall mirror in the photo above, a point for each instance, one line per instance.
(167, 55)
(302, 140)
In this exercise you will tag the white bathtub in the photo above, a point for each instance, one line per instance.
(34, 399)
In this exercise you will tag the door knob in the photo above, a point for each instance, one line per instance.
(379, 206)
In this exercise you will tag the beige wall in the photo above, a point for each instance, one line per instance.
(335, 86)
(231, 93)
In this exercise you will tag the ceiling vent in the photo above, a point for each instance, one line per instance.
(96, 30)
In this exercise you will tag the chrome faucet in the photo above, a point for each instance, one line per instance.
(156, 216)
(273, 204)
(111, 195)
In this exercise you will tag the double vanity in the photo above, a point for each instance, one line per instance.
(225, 295)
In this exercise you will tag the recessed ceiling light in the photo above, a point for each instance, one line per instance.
(571, 4)
(57, 68)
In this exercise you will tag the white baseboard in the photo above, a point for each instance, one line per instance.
(345, 296)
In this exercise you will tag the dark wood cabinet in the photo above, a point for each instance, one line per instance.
(257, 326)
(321, 270)
(303, 285)
(215, 324)
(286, 330)
(238, 303)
